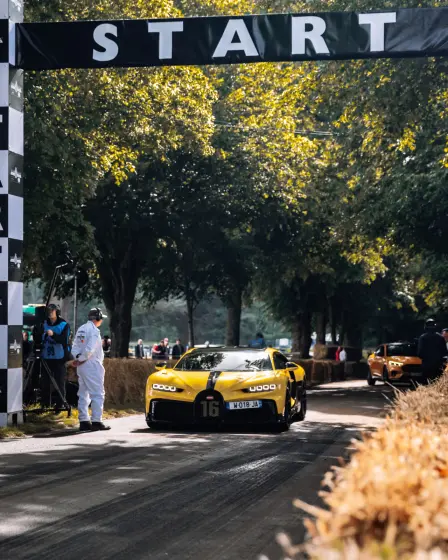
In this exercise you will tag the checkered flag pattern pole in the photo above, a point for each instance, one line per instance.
(11, 216)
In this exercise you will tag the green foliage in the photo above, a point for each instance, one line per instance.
(313, 186)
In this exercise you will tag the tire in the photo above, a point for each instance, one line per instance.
(153, 425)
(370, 380)
(385, 376)
(300, 416)
(285, 422)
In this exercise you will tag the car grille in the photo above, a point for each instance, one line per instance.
(412, 368)
(267, 413)
(164, 410)
(171, 411)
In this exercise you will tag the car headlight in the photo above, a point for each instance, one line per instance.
(395, 364)
(166, 388)
(260, 388)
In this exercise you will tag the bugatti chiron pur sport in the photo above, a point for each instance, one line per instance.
(227, 385)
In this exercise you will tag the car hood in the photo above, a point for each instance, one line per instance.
(197, 380)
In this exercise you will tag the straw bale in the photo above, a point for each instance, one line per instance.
(391, 500)
(124, 381)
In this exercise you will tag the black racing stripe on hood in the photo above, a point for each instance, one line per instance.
(212, 379)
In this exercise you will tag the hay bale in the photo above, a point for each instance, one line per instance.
(338, 370)
(357, 370)
(391, 500)
(320, 352)
(124, 381)
(318, 373)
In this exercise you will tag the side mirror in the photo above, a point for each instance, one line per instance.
(291, 365)
(161, 365)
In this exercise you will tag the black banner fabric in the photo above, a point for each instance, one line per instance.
(225, 40)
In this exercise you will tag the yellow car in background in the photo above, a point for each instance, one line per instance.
(227, 385)
(397, 361)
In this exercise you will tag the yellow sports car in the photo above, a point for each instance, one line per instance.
(227, 385)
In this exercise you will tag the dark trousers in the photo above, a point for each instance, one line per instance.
(431, 372)
(58, 371)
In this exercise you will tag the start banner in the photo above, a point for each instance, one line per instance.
(419, 32)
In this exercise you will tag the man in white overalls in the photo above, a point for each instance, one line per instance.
(89, 357)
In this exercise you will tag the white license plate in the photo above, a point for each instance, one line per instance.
(242, 405)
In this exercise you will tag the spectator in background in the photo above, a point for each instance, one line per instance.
(106, 346)
(178, 350)
(139, 350)
(342, 355)
(445, 336)
(167, 347)
(259, 341)
(27, 347)
(159, 351)
(55, 352)
(432, 350)
(338, 354)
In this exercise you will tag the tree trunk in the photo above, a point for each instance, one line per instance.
(296, 330)
(190, 313)
(119, 285)
(120, 328)
(321, 326)
(334, 334)
(352, 331)
(305, 335)
(301, 334)
(333, 322)
(234, 306)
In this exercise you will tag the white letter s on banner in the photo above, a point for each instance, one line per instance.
(110, 47)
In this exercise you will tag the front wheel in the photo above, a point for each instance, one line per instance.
(285, 422)
(370, 380)
(385, 375)
(300, 416)
(154, 425)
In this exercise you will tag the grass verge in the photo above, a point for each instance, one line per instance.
(390, 501)
(49, 422)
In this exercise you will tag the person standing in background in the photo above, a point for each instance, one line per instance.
(106, 346)
(432, 350)
(166, 343)
(27, 347)
(89, 356)
(342, 355)
(139, 350)
(178, 349)
(445, 336)
(55, 352)
(159, 351)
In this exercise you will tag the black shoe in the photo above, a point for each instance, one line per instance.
(99, 427)
(85, 427)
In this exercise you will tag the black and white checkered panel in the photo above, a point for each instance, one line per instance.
(11, 216)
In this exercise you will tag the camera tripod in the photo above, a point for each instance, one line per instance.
(35, 369)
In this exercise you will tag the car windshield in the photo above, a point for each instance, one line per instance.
(225, 361)
(402, 350)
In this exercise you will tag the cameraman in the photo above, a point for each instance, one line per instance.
(55, 352)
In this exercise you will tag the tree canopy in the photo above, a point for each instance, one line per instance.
(316, 188)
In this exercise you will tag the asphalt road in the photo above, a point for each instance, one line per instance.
(133, 493)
